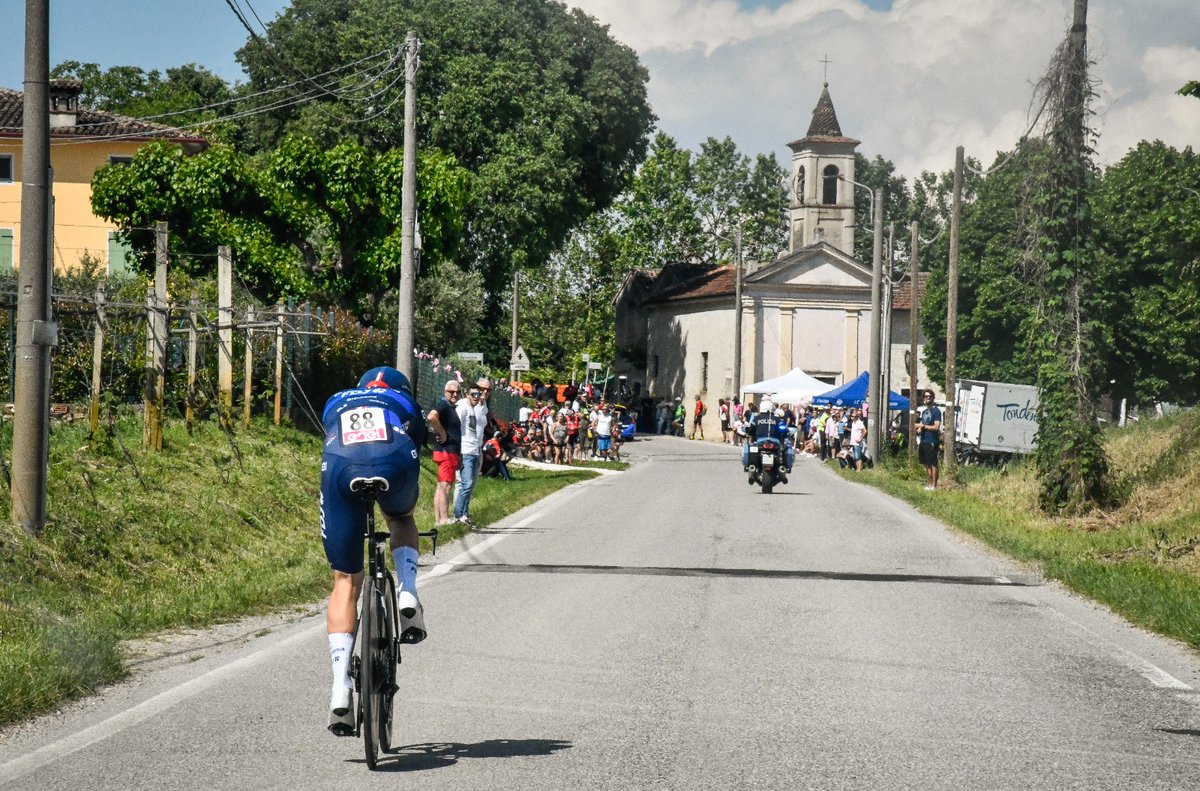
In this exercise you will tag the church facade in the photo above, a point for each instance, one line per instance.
(810, 308)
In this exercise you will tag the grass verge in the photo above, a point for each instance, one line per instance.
(1142, 560)
(209, 530)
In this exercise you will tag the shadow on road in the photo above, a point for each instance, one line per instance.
(436, 755)
(674, 571)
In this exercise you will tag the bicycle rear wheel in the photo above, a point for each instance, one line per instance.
(370, 628)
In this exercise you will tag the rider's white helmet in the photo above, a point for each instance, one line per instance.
(766, 406)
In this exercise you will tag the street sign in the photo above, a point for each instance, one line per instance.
(519, 361)
(475, 357)
(595, 366)
(587, 358)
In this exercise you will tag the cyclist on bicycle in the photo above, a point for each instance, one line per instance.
(373, 430)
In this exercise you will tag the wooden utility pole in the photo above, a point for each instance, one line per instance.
(97, 357)
(156, 343)
(737, 315)
(36, 331)
(225, 335)
(405, 336)
(246, 386)
(914, 268)
(948, 460)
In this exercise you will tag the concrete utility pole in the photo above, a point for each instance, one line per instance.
(737, 315)
(913, 268)
(36, 332)
(225, 335)
(516, 310)
(878, 405)
(405, 337)
(948, 466)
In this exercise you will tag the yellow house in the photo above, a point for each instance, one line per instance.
(81, 141)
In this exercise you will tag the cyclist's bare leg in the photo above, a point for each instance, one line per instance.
(342, 611)
(340, 617)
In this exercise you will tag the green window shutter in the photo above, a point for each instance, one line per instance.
(118, 255)
(6, 251)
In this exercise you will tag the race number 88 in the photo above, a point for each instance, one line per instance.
(363, 421)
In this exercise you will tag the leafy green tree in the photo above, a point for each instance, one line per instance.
(1148, 210)
(185, 96)
(996, 307)
(730, 194)
(1190, 88)
(567, 310)
(545, 109)
(657, 217)
(875, 173)
(303, 220)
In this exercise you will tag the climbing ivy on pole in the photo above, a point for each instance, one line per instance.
(1062, 259)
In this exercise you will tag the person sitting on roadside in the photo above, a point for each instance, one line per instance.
(495, 458)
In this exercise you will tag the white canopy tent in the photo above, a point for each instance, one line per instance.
(792, 388)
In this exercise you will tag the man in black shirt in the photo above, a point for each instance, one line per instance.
(447, 431)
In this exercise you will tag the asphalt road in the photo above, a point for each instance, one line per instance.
(673, 628)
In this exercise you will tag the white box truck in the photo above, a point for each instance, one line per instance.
(995, 417)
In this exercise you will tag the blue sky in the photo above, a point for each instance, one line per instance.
(153, 35)
(912, 79)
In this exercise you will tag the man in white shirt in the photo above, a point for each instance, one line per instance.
(472, 414)
(602, 424)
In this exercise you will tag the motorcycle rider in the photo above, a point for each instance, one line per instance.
(769, 423)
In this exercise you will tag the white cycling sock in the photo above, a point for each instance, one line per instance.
(405, 559)
(341, 645)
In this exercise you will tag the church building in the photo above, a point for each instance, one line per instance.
(810, 308)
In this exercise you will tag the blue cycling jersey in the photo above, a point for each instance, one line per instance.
(399, 411)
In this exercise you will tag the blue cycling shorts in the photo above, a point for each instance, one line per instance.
(343, 513)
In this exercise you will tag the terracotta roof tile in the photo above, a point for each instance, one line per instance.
(90, 123)
(717, 281)
(902, 293)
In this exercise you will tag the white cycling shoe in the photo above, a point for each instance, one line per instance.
(412, 618)
(341, 712)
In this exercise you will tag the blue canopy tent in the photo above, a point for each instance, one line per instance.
(854, 392)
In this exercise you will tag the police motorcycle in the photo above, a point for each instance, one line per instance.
(768, 460)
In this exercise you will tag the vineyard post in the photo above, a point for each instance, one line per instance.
(249, 367)
(97, 357)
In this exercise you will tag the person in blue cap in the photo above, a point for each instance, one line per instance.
(373, 430)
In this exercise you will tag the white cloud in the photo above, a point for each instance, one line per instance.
(911, 83)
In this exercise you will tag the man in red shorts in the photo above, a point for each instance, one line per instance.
(447, 432)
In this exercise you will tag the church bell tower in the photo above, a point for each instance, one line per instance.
(822, 203)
